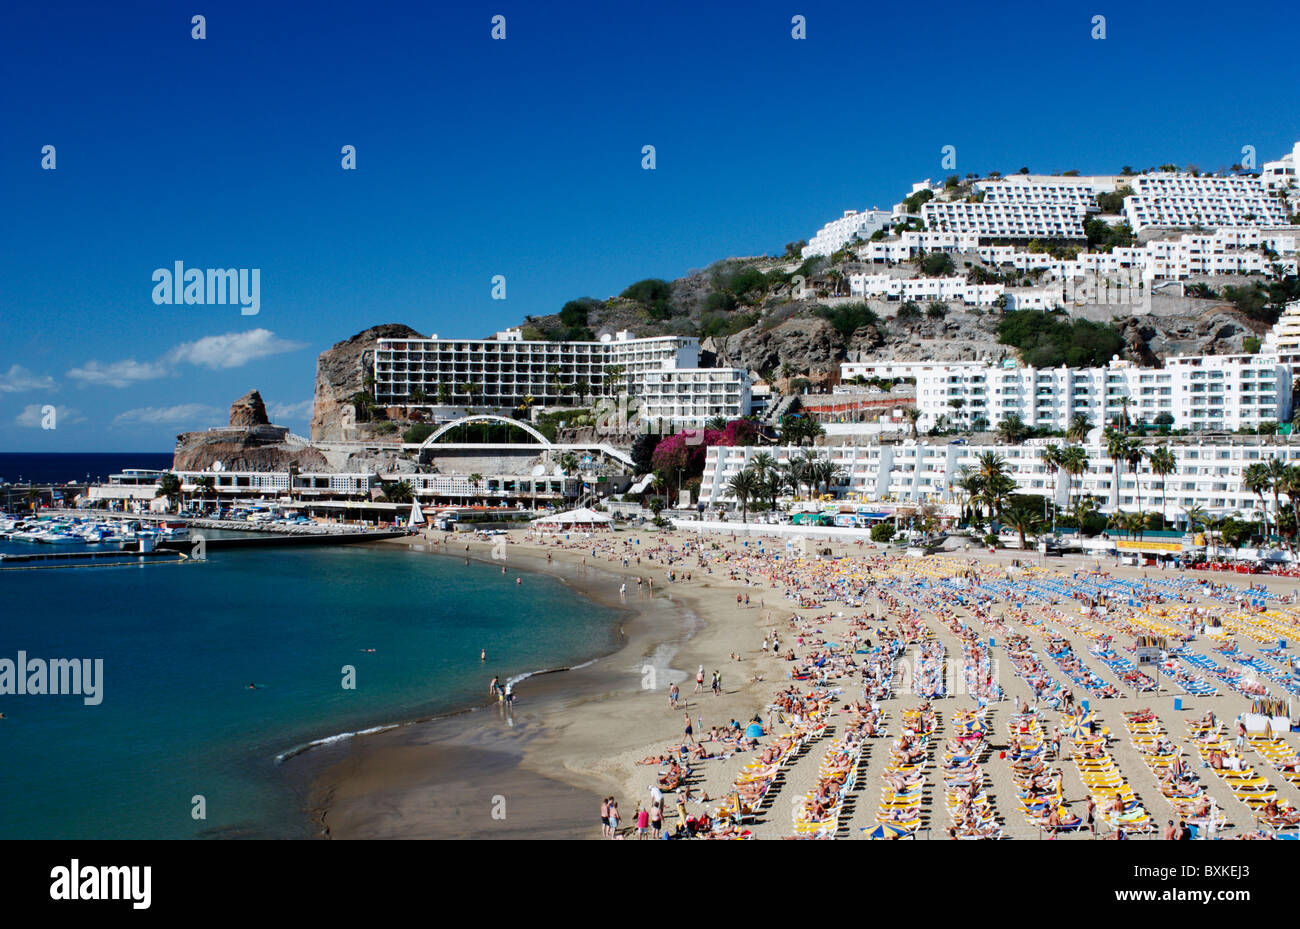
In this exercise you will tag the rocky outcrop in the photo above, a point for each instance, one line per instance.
(1220, 331)
(250, 443)
(808, 344)
(340, 374)
(260, 448)
(248, 411)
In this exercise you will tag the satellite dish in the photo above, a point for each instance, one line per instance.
(559, 472)
(538, 470)
(218, 466)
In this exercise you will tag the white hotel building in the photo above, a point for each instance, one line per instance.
(499, 373)
(840, 232)
(1208, 474)
(1211, 392)
(1011, 220)
(1172, 200)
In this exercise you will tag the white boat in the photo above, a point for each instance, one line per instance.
(58, 538)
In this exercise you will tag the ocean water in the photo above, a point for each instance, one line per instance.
(181, 643)
(59, 468)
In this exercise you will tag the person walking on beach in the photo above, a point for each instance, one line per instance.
(690, 731)
(717, 683)
(699, 680)
(604, 817)
(1092, 819)
(495, 686)
(642, 821)
(613, 818)
(672, 695)
(656, 820)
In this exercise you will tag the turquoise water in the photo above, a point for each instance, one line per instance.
(181, 643)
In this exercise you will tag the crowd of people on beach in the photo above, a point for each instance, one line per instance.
(854, 622)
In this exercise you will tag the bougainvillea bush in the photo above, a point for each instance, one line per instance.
(686, 449)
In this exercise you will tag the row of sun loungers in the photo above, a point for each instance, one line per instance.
(1114, 799)
(1179, 784)
(1246, 784)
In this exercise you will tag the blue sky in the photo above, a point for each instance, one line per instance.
(520, 157)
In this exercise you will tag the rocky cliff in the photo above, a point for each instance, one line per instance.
(807, 345)
(340, 373)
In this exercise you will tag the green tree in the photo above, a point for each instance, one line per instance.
(1024, 517)
(1079, 428)
(742, 486)
(169, 486)
(882, 532)
(396, 492)
(1074, 461)
(1163, 464)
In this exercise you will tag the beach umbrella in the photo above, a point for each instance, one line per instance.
(753, 731)
(1077, 729)
(887, 831)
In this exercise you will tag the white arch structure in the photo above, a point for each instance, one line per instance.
(481, 418)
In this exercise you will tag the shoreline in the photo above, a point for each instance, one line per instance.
(341, 771)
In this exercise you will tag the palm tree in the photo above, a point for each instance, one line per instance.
(397, 492)
(1123, 422)
(1012, 429)
(1197, 518)
(1085, 506)
(1079, 428)
(1276, 470)
(1050, 456)
(998, 493)
(763, 464)
(1255, 479)
(971, 485)
(1023, 517)
(742, 487)
(582, 387)
(1163, 464)
(169, 486)
(613, 377)
(1135, 454)
(206, 485)
(1117, 452)
(1290, 485)
(475, 480)
(1074, 461)
(912, 414)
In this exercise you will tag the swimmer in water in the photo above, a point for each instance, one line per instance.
(519, 580)
(251, 687)
(482, 655)
(367, 650)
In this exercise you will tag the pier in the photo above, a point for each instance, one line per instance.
(80, 559)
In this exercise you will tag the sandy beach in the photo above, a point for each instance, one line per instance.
(540, 770)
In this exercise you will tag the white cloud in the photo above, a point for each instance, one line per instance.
(181, 414)
(289, 412)
(118, 374)
(33, 416)
(18, 379)
(232, 350)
